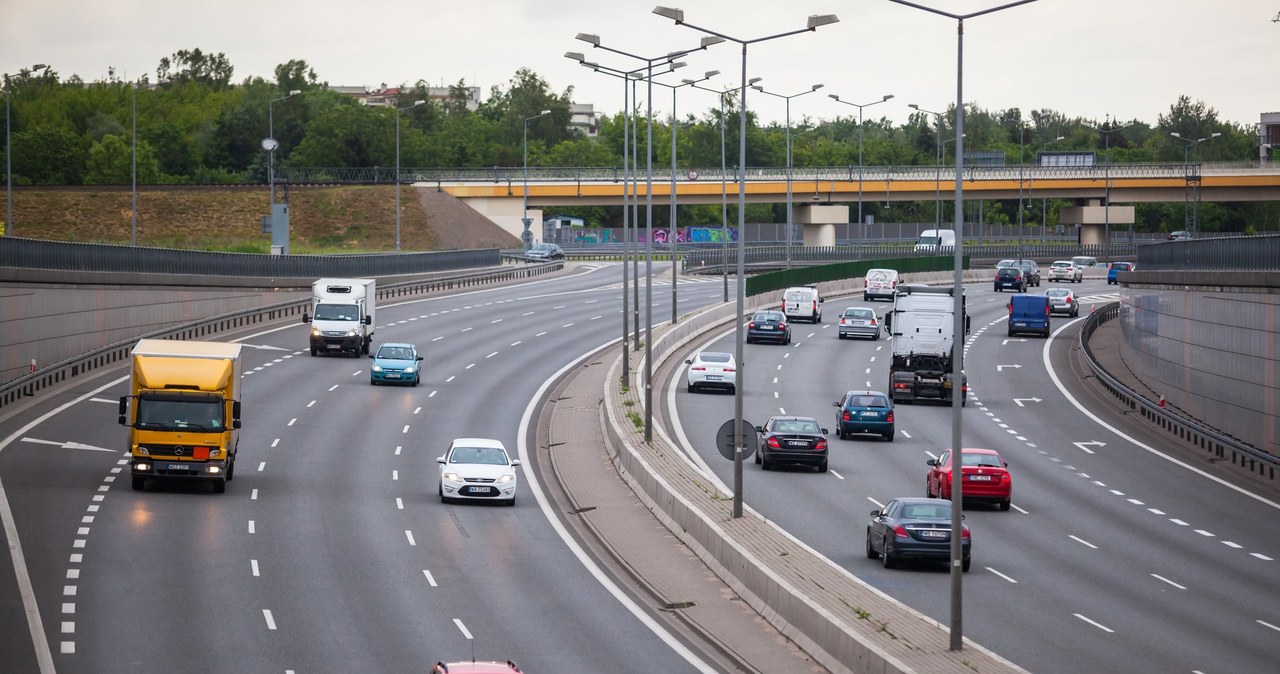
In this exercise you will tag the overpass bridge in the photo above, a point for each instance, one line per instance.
(500, 192)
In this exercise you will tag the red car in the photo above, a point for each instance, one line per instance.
(986, 477)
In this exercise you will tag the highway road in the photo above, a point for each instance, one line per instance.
(331, 550)
(1123, 552)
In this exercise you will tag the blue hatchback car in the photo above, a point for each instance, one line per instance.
(864, 412)
(395, 363)
(1116, 268)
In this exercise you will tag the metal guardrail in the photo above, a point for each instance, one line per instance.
(514, 175)
(70, 256)
(1246, 456)
(713, 258)
(1219, 253)
(31, 384)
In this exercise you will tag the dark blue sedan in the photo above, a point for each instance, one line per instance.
(768, 326)
(915, 528)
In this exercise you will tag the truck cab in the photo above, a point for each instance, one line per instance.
(1029, 313)
(341, 316)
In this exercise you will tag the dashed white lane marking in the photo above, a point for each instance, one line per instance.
(1267, 624)
(492, 354)
(599, 317)
(451, 378)
(496, 320)
(1136, 502)
(311, 403)
(1155, 511)
(293, 421)
(398, 447)
(438, 339)
(275, 442)
(466, 329)
(253, 495)
(409, 535)
(1082, 541)
(67, 648)
(1002, 575)
(433, 393)
(838, 475)
(251, 527)
(1166, 580)
(68, 627)
(262, 466)
(1179, 522)
(462, 628)
(1095, 624)
(430, 579)
(567, 325)
(69, 608)
(1231, 544)
(253, 563)
(1261, 556)
(399, 503)
(395, 475)
(1206, 534)
(527, 313)
(405, 429)
(337, 385)
(541, 333)
(417, 410)
(515, 343)
(469, 366)
(271, 621)
(559, 307)
(1015, 507)
(78, 543)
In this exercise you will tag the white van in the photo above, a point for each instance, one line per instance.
(880, 283)
(802, 302)
(936, 240)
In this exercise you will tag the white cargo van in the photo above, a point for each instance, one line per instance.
(342, 315)
(880, 283)
(936, 240)
(802, 302)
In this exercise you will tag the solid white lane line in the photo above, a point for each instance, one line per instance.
(430, 580)
(462, 628)
(253, 563)
(1095, 624)
(1081, 540)
(271, 622)
(1002, 575)
(1166, 580)
(409, 535)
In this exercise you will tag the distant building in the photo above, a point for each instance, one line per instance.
(387, 97)
(582, 116)
(1269, 135)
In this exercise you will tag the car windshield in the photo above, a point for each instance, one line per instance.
(1009, 271)
(337, 312)
(1005, 263)
(795, 426)
(765, 316)
(927, 512)
(859, 313)
(878, 276)
(395, 353)
(708, 357)
(483, 455)
(1057, 292)
(797, 295)
(1062, 264)
(987, 460)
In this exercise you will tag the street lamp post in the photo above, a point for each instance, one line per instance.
(957, 374)
(814, 22)
(398, 112)
(271, 136)
(133, 210)
(1191, 209)
(8, 147)
(674, 239)
(860, 106)
(937, 196)
(524, 210)
(1106, 179)
(724, 194)
(594, 40)
(788, 100)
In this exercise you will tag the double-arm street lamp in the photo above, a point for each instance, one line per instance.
(674, 239)
(814, 22)
(8, 147)
(788, 98)
(860, 106)
(271, 143)
(1191, 211)
(724, 192)
(957, 374)
(594, 41)
(524, 210)
(1106, 130)
(398, 113)
(937, 178)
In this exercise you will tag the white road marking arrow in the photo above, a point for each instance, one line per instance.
(1000, 368)
(264, 347)
(1020, 400)
(1006, 341)
(1095, 443)
(67, 445)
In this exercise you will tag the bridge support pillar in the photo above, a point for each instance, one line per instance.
(1092, 220)
(819, 221)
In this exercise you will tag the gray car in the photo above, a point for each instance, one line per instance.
(859, 322)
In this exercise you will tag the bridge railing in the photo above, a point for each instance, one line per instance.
(1219, 253)
(515, 175)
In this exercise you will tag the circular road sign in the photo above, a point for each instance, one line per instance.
(724, 439)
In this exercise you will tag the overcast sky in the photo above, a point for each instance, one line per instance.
(1129, 59)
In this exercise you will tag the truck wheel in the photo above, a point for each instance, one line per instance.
(139, 483)
(219, 486)
(313, 351)
(367, 342)
(231, 469)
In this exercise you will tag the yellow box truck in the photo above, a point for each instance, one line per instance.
(183, 411)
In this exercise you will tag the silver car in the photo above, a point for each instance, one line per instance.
(859, 322)
(1063, 301)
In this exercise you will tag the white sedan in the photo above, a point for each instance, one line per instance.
(477, 469)
(712, 369)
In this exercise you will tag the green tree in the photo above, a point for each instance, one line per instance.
(48, 155)
(111, 163)
(193, 65)
(295, 74)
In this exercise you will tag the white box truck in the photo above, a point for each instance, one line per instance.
(341, 316)
(922, 323)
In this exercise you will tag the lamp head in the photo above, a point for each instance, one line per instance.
(544, 112)
(757, 87)
(816, 87)
(753, 80)
(672, 13)
(593, 40)
(710, 40)
(39, 66)
(295, 92)
(816, 20)
(887, 97)
(1215, 134)
(709, 74)
(416, 103)
(835, 97)
(575, 55)
(1059, 138)
(913, 106)
(1175, 134)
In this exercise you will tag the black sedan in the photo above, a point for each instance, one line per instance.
(915, 528)
(792, 440)
(768, 326)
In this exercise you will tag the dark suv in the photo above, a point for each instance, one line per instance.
(1012, 278)
(1030, 271)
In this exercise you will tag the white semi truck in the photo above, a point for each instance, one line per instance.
(923, 329)
(341, 316)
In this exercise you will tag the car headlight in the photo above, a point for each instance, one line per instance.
(376, 368)
(451, 476)
(315, 332)
(351, 332)
(410, 370)
(509, 477)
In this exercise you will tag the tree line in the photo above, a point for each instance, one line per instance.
(195, 126)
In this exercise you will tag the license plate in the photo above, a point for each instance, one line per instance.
(869, 414)
(333, 346)
(1019, 324)
(477, 490)
(766, 327)
(179, 466)
(392, 376)
(980, 478)
(930, 533)
(859, 322)
(713, 377)
(797, 443)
